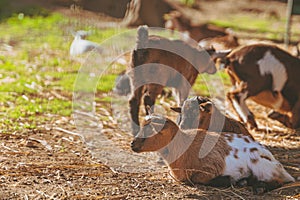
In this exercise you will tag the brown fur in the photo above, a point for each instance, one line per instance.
(181, 72)
(221, 42)
(181, 150)
(241, 65)
(231, 125)
(210, 118)
(177, 21)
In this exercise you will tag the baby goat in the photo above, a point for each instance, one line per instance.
(207, 35)
(158, 62)
(197, 156)
(269, 76)
(221, 42)
(200, 112)
(177, 21)
(122, 84)
(80, 45)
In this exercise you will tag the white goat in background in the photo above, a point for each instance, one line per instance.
(80, 45)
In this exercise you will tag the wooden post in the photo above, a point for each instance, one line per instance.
(288, 23)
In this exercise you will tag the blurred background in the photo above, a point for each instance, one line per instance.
(41, 51)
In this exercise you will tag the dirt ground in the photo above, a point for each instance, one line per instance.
(54, 162)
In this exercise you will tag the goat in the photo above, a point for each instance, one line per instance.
(80, 45)
(158, 62)
(231, 156)
(122, 84)
(220, 42)
(177, 21)
(200, 112)
(217, 36)
(269, 76)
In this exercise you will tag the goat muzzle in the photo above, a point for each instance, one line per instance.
(137, 144)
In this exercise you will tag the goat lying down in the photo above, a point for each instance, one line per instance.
(158, 62)
(270, 77)
(233, 157)
(200, 112)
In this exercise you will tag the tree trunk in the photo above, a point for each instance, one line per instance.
(146, 12)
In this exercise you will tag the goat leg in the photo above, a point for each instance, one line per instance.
(284, 119)
(153, 90)
(134, 106)
(295, 118)
(237, 99)
(220, 181)
(148, 102)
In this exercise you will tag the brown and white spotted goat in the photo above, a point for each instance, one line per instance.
(198, 156)
(269, 76)
(200, 112)
(158, 62)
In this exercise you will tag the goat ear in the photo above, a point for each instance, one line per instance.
(73, 33)
(220, 54)
(176, 109)
(205, 107)
(157, 126)
(150, 111)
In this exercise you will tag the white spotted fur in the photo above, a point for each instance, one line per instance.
(263, 169)
(269, 64)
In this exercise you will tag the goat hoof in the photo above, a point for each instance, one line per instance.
(252, 126)
(274, 115)
(283, 119)
(261, 187)
(259, 190)
(242, 183)
(251, 122)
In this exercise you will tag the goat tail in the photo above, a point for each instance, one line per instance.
(142, 37)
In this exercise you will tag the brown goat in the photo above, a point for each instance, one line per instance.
(177, 21)
(269, 76)
(221, 42)
(158, 62)
(198, 156)
(200, 112)
(208, 34)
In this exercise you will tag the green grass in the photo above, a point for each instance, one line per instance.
(270, 28)
(204, 87)
(188, 3)
(39, 64)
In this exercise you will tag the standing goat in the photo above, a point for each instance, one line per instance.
(270, 77)
(231, 156)
(158, 62)
(200, 112)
